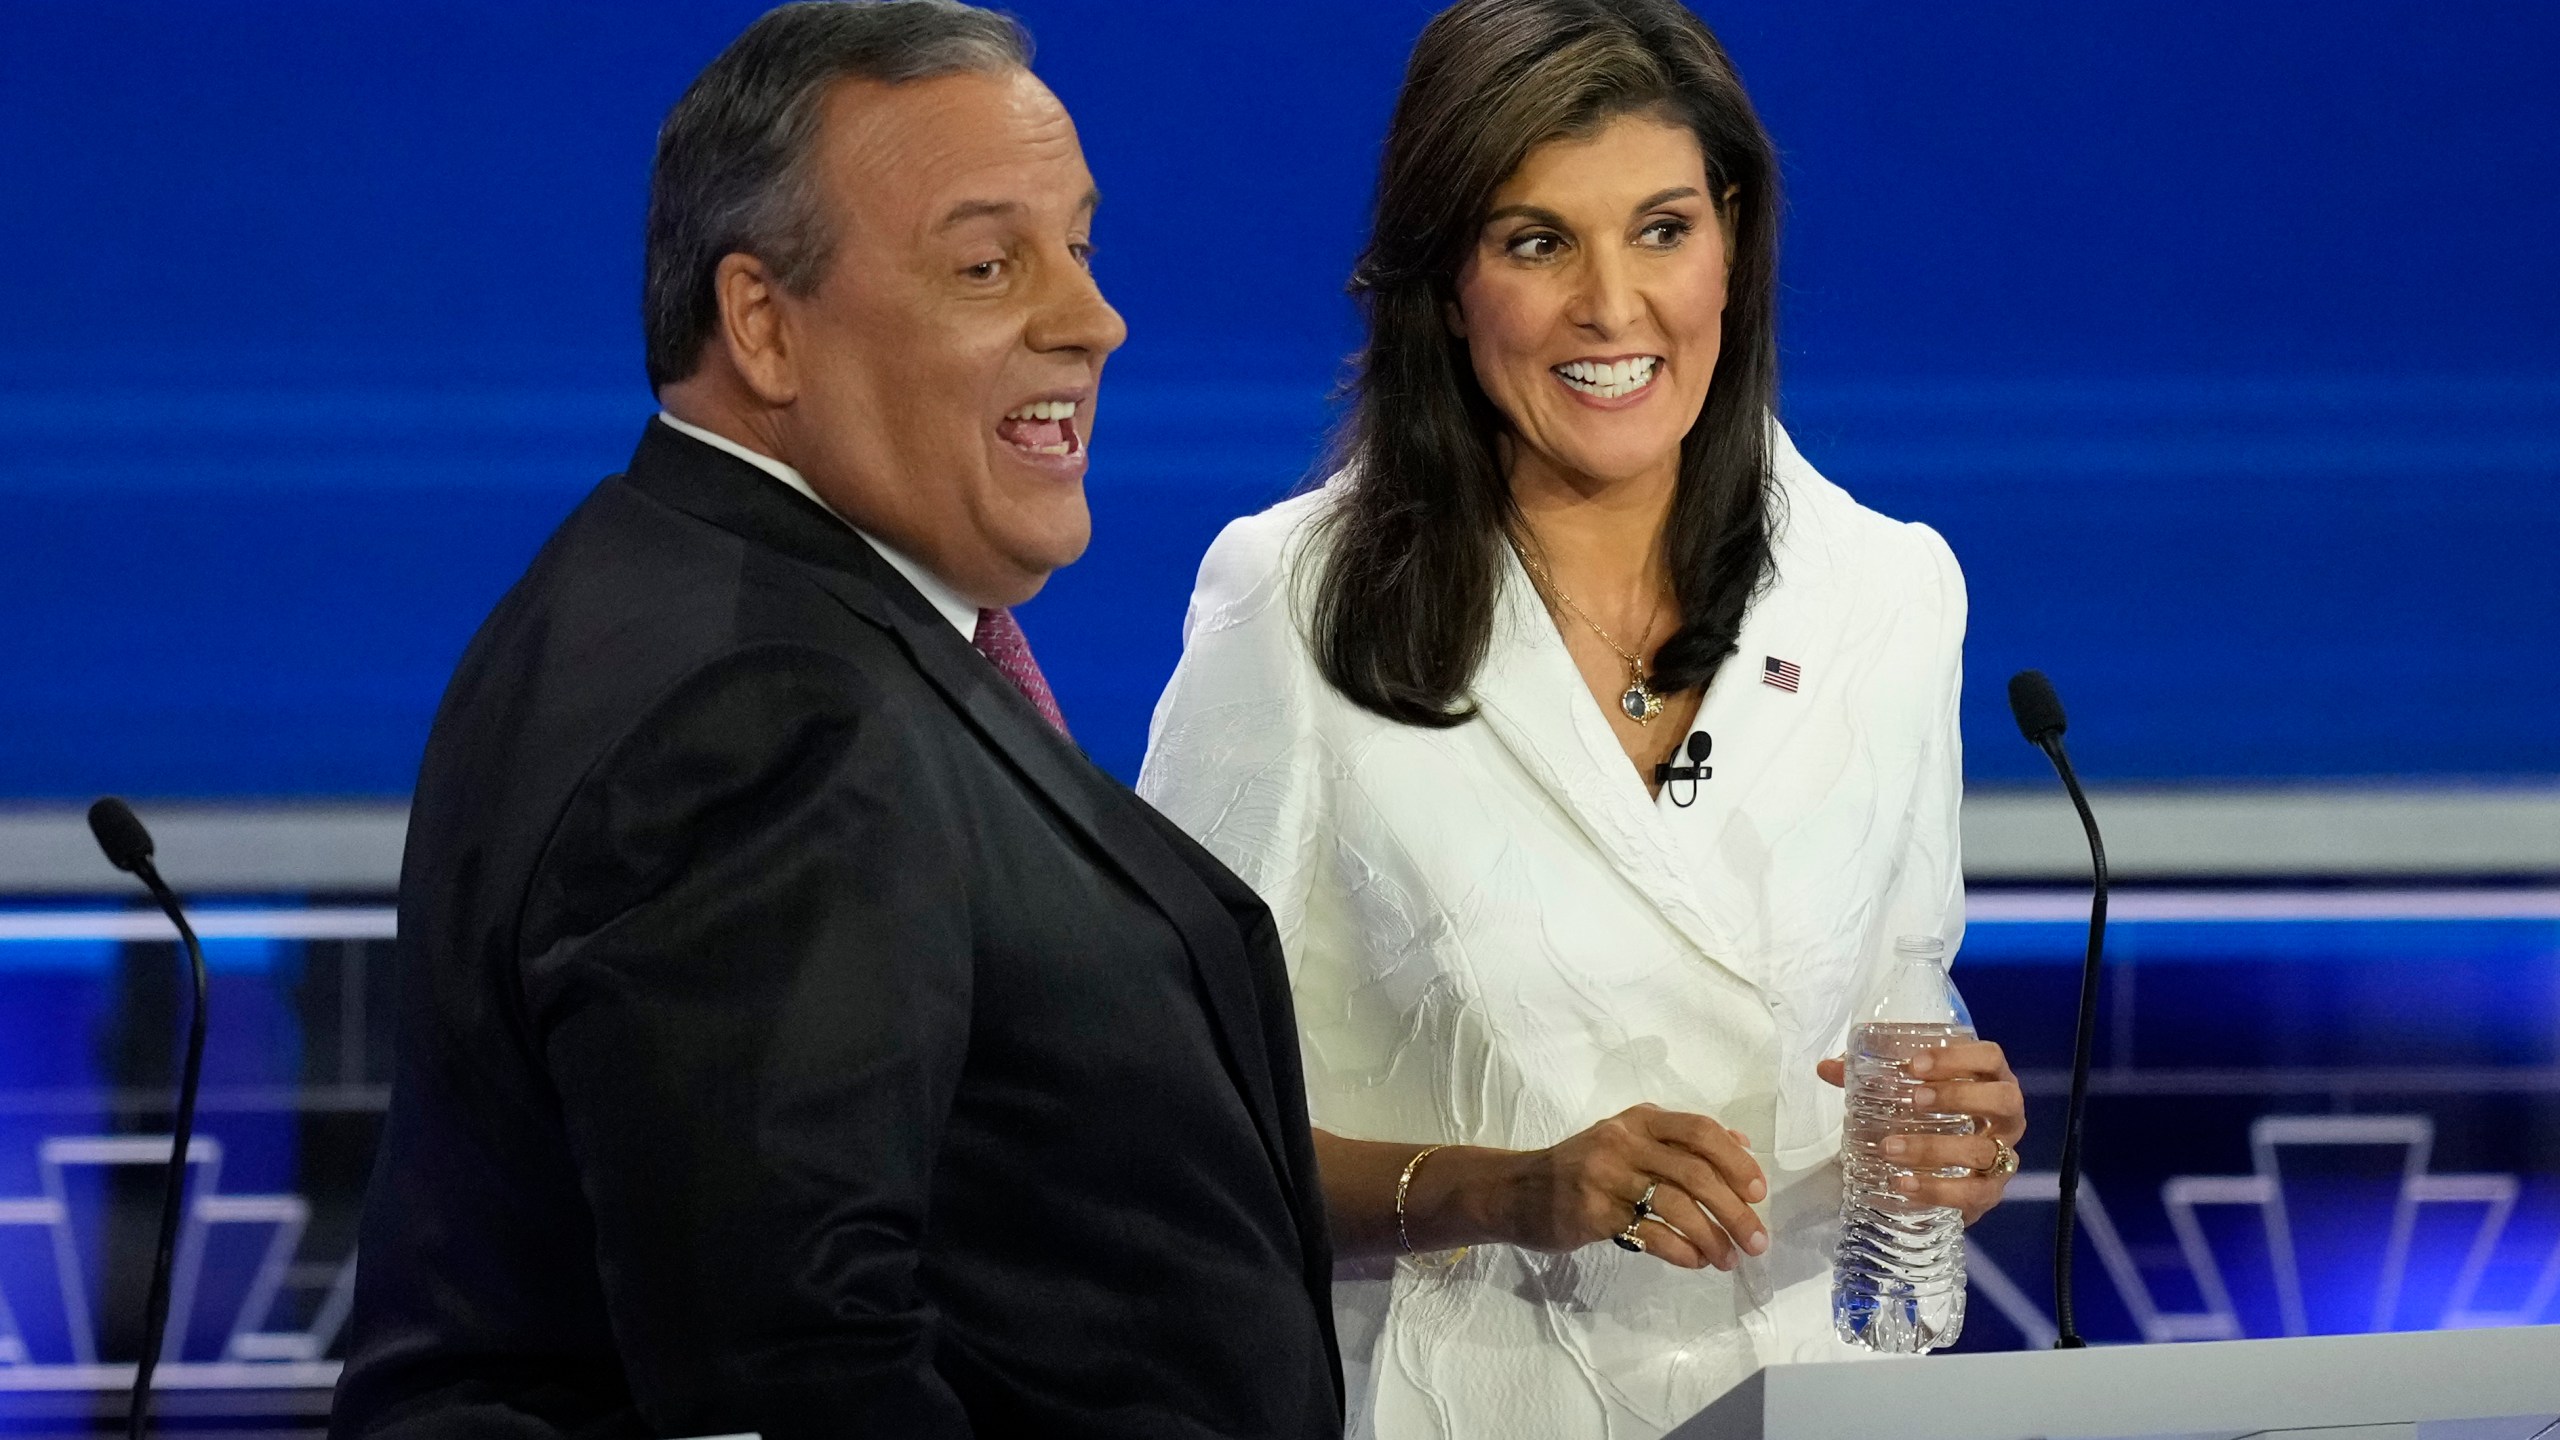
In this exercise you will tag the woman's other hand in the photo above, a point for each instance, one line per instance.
(1584, 1190)
(1968, 1078)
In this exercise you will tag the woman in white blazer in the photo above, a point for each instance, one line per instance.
(1548, 1002)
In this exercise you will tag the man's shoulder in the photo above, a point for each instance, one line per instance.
(628, 606)
(630, 587)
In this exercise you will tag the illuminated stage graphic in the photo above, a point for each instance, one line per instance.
(2385, 1175)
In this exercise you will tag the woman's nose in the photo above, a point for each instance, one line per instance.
(1606, 302)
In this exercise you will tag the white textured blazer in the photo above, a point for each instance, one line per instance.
(1496, 937)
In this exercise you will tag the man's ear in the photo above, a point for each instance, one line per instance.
(754, 329)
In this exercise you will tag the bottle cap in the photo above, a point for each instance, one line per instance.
(1916, 988)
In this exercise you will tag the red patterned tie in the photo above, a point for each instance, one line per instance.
(1002, 642)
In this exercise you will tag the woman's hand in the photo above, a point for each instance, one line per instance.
(1973, 1078)
(1585, 1190)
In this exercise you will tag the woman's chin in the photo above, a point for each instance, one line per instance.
(1610, 466)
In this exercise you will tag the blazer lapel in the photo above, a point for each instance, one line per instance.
(726, 491)
(1534, 700)
(1100, 809)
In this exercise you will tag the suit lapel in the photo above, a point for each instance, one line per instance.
(726, 491)
(1100, 810)
(1535, 702)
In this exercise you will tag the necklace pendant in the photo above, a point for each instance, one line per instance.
(1640, 703)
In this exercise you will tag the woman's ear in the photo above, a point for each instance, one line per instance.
(1456, 319)
(1724, 221)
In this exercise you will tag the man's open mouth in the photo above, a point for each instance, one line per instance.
(1043, 427)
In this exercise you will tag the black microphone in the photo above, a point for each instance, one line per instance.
(2039, 714)
(1667, 775)
(128, 848)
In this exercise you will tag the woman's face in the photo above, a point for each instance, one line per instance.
(1592, 305)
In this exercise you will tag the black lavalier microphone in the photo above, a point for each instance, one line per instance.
(2039, 713)
(1669, 776)
(128, 848)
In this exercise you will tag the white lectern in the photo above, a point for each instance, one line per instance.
(2441, 1385)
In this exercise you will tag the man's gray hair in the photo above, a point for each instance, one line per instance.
(733, 173)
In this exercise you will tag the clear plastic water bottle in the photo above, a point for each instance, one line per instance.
(1897, 1282)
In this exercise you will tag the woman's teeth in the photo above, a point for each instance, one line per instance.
(1043, 427)
(1609, 381)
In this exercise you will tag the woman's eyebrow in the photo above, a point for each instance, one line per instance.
(1540, 215)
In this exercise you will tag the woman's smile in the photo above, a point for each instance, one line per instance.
(1609, 383)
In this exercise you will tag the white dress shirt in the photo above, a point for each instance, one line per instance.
(952, 605)
(1496, 937)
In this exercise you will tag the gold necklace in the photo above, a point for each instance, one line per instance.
(1641, 702)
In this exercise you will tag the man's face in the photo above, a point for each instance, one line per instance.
(946, 366)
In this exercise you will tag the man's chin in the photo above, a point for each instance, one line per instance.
(1034, 558)
(1058, 557)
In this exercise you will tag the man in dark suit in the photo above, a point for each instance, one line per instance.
(800, 1036)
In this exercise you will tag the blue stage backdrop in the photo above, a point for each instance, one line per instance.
(2222, 342)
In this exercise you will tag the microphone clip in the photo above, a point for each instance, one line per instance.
(1670, 777)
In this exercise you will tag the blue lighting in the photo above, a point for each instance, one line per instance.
(2240, 404)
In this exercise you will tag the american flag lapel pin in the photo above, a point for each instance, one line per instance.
(1785, 674)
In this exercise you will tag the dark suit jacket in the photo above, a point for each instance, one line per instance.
(799, 1036)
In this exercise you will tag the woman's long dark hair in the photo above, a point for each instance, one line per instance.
(1412, 556)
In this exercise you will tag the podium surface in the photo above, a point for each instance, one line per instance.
(2436, 1385)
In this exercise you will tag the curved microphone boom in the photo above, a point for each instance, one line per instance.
(128, 848)
(2039, 715)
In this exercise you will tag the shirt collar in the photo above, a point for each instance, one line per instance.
(949, 603)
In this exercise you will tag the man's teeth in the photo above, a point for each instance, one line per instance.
(1061, 413)
(1609, 381)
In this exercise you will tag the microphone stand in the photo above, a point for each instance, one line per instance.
(2065, 1222)
(128, 847)
(155, 1327)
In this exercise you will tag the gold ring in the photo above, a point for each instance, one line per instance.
(1628, 1239)
(2004, 1161)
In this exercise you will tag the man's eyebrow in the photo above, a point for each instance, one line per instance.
(968, 210)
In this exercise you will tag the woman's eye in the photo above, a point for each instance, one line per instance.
(1664, 234)
(1534, 247)
(1083, 254)
(985, 270)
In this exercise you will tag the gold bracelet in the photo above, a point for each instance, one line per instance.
(1404, 1183)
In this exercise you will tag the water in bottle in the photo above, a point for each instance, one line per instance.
(1897, 1282)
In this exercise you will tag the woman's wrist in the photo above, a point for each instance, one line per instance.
(1458, 1196)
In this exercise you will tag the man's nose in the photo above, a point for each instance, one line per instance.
(1074, 316)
